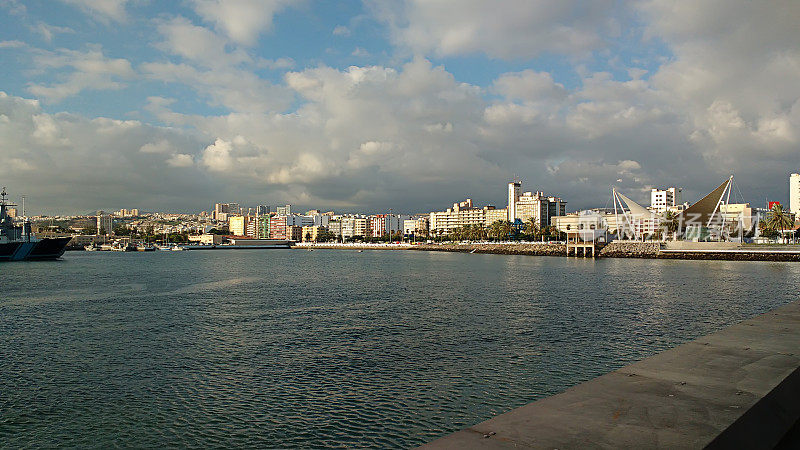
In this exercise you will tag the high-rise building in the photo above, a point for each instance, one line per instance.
(262, 210)
(539, 206)
(223, 210)
(105, 223)
(794, 194)
(284, 210)
(262, 231)
(662, 200)
(237, 225)
(514, 189)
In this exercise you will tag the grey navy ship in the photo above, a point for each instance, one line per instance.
(18, 243)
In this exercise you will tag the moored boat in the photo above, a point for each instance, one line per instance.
(18, 243)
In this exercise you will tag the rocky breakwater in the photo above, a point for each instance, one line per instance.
(536, 249)
(621, 249)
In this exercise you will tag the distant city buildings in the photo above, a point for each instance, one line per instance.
(127, 213)
(794, 194)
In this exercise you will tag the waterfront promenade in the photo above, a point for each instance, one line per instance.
(737, 388)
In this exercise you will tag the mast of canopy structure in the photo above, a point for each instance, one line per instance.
(726, 194)
(620, 229)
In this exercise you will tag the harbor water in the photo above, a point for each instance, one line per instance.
(333, 348)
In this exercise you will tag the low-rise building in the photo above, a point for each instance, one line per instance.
(311, 233)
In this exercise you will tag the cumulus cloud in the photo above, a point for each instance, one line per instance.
(503, 29)
(90, 70)
(241, 20)
(67, 164)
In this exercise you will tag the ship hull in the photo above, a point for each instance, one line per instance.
(44, 249)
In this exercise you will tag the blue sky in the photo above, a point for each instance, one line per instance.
(362, 105)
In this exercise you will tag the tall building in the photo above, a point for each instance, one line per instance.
(540, 207)
(262, 231)
(262, 210)
(237, 225)
(662, 200)
(223, 210)
(284, 210)
(105, 224)
(514, 189)
(794, 194)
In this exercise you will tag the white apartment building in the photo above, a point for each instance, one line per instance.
(105, 224)
(662, 200)
(794, 194)
(355, 227)
(417, 226)
(460, 215)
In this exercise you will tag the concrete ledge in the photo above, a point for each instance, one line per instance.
(739, 387)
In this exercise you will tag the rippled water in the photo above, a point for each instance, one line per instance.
(333, 348)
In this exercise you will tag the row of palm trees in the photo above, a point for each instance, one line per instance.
(502, 229)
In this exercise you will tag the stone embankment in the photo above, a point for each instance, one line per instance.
(535, 249)
(631, 250)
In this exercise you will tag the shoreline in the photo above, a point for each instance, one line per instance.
(643, 250)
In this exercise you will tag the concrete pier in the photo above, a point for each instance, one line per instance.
(737, 388)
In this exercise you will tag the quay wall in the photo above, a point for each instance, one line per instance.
(542, 249)
(736, 388)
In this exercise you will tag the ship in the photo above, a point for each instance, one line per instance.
(17, 243)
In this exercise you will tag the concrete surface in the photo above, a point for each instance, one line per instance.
(739, 387)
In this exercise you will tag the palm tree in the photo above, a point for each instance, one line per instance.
(779, 218)
(671, 223)
(505, 228)
(532, 228)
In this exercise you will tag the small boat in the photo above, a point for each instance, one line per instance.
(145, 248)
(91, 248)
(177, 248)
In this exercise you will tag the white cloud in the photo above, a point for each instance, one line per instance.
(49, 31)
(69, 164)
(341, 30)
(102, 10)
(503, 28)
(181, 160)
(162, 146)
(241, 20)
(91, 70)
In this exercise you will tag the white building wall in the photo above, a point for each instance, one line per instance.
(794, 193)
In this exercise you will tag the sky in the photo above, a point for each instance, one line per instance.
(409, 105)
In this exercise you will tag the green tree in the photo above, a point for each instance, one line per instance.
(779, 219)
(670, 223)
(532, 228)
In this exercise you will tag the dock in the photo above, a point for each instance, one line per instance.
(737, 388)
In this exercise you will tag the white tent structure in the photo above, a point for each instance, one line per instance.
(637, 221)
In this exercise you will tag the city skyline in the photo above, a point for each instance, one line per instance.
(366, 106)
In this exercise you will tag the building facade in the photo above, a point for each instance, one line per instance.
(105, 224)
(514, 189)
(662, 200)
(540, 207)
(794, 194)
(460, 215)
